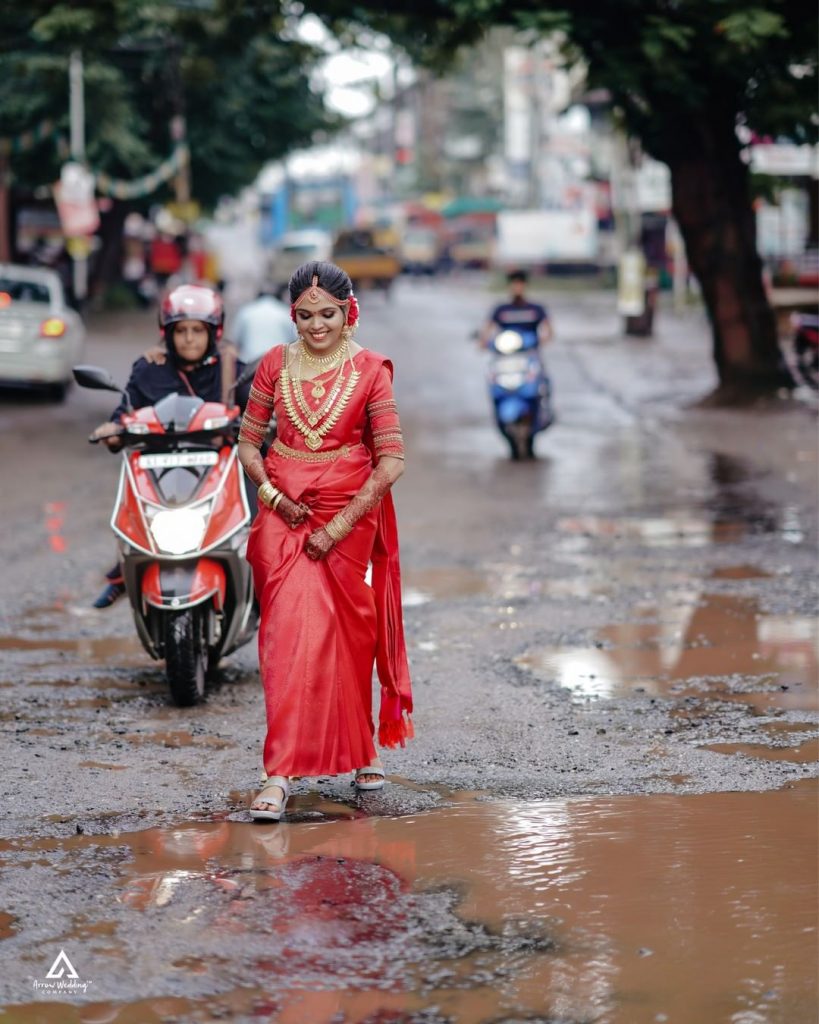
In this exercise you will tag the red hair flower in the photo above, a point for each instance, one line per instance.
(352, 312)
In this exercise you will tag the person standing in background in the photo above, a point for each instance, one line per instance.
(260, 325)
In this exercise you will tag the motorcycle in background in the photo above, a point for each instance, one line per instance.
(181, 518)
(520, 389)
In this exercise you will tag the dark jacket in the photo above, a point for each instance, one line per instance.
(151, 381)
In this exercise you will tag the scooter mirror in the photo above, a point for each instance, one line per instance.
(94, 377)
(248, 374)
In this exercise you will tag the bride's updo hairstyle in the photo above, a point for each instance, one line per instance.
(311, 280)
(331, 279)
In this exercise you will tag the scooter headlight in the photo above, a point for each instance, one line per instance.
(179, 530)
(508, 341)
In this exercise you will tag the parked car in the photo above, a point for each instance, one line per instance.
(41, 337)
(295, 248)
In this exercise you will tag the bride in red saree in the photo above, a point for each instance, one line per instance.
(325, 515)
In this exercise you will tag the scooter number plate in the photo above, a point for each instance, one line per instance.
(512, 364)
(167, 461)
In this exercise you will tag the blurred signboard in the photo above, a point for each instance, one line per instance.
(188, 212)
(537, 237)
(652, 181)
(784, 159)
(631, 282)
(74, 197)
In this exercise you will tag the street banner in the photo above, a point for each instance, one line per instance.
(74, 197)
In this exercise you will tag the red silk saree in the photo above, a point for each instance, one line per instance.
(323, 627)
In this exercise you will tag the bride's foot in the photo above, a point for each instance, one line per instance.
(370, 777)
(271, 799)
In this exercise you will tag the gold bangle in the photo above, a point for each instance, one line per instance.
(338, 528)
(266, 493)
(330, 529)
(275, 503)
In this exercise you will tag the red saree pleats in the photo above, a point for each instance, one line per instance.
(316, 645)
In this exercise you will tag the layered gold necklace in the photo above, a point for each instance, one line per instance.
(334, 359)
(315, 424)
(328, 361)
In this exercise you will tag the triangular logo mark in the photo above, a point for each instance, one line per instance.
(62, 965)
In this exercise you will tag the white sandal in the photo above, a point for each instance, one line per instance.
(373, 769)
(278, 781)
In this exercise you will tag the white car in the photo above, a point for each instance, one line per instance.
(295, 248)
(41, 337)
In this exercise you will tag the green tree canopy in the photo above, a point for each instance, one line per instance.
(231, 69)
(686, 75)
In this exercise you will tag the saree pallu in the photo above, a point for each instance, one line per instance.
(323, 627)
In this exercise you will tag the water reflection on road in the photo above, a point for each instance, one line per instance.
(696, 649)
(628, 910)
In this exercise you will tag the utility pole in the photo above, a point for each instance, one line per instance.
(5, 176)
(77, 119)
(182, 181)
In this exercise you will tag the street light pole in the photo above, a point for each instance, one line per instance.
(5, 176)
(76, 108)
(76, 105)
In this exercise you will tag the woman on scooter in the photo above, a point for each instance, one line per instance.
(325, 513)
(191, 319)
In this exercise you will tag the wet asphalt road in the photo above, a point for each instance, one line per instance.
(632, 613)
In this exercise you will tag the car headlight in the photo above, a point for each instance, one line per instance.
(179, 530)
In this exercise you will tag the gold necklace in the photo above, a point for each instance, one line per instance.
(329, 360)
(314, 415)
(314, 434)
(339, 356)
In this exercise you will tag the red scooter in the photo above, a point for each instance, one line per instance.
(182, 519)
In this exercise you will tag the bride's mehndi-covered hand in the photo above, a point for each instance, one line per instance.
(294, 514)
(319, 545)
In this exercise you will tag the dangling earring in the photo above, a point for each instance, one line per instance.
(347, 333)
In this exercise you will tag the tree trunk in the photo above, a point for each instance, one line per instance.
(712, 205)
(106, 268)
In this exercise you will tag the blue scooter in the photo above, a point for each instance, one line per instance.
(520, 390)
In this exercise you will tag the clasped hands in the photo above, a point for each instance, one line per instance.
(319, 543)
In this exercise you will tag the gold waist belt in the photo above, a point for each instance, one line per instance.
(330, 456)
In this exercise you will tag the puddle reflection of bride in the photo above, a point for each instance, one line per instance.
(326, 513)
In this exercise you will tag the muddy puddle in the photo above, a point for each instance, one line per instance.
(723, 647)
(806, 752)
(622, 910)
(693, 528)
(584, 576)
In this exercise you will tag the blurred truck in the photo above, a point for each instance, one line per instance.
(540, 238)
(368, 264)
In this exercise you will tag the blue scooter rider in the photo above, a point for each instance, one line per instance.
(518, 312)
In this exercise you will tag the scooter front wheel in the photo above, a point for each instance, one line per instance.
(186, 657)
(521, 441)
